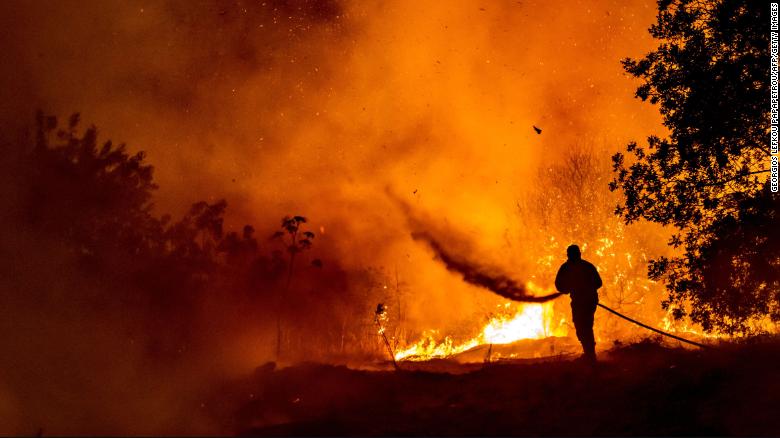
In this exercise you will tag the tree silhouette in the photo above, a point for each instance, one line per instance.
(295, 241)
(94, 197)
(708, 179)
(90, 245)
(239, 249)
(94, 201)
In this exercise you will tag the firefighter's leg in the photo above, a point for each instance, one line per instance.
(589, 343)
(583, 324)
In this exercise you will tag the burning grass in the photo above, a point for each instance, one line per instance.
(514, 323)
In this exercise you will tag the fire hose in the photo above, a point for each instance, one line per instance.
(508, 288)
(652, 328)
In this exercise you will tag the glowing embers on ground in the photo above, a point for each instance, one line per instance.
(515, 322)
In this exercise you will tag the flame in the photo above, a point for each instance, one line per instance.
(669, 324)
(528, 321)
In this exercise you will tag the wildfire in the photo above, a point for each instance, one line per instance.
(515, 322)
(626, 287)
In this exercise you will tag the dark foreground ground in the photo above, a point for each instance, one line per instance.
(641, 389)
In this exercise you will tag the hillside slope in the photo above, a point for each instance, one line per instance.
(641, 389)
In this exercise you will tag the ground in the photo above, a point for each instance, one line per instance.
(640, 389)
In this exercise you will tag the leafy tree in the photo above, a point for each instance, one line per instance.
(295, 241)
(94, 202)
(708, 178)
(91, 196)
(86, 209)
(239, 248)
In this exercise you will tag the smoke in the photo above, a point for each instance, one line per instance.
(481, 276)
(478, 274)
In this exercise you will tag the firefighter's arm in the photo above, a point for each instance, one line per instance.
(596, 278)
(560, 281)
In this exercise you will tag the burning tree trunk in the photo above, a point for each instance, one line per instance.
(380, 315)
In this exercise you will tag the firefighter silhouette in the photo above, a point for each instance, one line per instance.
(580, 279)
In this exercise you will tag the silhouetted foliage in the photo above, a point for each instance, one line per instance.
(95, 202)
(296, 241)
(90, 196)
(708, 179)
(83, 210)
(239, 248)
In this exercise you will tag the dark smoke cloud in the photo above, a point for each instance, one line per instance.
(477, 274)
(481, 276)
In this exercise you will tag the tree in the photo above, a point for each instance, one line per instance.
(88, 205)
(708, 178)
(296, 242)
(93, 197)
(84, 208)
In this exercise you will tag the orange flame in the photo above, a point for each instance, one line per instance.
(527, 321)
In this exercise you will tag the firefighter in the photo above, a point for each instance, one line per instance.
(580, 279)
